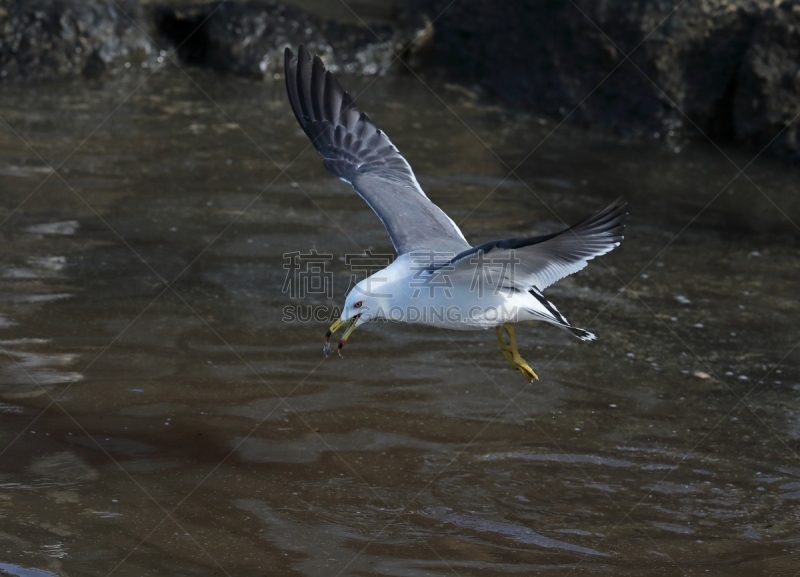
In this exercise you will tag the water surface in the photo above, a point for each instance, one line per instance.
(159, 416)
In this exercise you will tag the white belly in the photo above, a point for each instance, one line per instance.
(459, 309)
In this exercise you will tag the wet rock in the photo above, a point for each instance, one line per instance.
(248, 38)
(549, 56)
(61, 38)
(768, 95)
(729, 65)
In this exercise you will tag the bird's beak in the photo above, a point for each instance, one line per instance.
(335, 327)
(349, 331)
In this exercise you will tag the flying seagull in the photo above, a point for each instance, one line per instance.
(438, 278)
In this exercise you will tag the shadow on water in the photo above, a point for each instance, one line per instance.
(171, 451)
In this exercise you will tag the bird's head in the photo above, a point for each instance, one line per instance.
(361, 305)
(354, 308)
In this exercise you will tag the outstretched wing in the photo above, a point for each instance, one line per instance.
(538, 262)
(357, 152)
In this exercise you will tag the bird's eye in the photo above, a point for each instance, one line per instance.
(358, 304)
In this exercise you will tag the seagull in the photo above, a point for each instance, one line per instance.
(438, 278)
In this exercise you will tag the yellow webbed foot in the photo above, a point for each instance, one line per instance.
(511, 354)
(525, 369)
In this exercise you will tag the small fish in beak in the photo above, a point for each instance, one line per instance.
(335, 327)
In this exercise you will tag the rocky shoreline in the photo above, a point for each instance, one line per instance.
(728, 68)
(50, 39)
(42, 39)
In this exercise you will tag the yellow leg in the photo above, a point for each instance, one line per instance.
(505, 348)
(511, 353)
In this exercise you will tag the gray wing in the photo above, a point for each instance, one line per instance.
(538, 262)
(357, 152)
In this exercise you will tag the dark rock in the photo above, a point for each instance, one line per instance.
(728, 69)
(768, 94)
(554, 56)
(59, 38)
(700, 70)
(248, 38)
(243, 39)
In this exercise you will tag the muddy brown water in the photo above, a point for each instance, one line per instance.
(191, 430)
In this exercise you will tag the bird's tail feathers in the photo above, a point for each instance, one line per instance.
(582, 334)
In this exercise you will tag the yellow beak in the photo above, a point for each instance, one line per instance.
(349, 331)
(335, 327)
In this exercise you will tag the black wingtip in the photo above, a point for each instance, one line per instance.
(620, 204)
(288, 56)
(347, 138)
(615, 207)
(613, 212)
